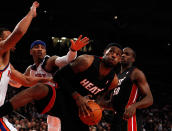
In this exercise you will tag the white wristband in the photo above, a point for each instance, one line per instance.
(64, 60)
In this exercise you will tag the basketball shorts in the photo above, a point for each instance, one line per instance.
(60, 104)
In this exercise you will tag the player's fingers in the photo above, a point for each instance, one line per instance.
(79, 37)
(130, 114)
(82, 111)
(86, 110)
(85, 39)
(85, 43)
(88, 107)
(36, 4)
(72, 42)
(126, 116)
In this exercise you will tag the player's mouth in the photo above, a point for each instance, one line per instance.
(39, 54)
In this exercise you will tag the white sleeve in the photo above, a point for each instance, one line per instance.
(14, 83)
(64, 60)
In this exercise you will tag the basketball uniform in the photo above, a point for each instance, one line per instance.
(85, 83)
(4, 79)
(40, 72)
(124, 95)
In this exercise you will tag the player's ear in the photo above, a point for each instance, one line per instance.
(133, 60)
(30, 52)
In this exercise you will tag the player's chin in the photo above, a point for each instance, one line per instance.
(40, 59)
(111, 64)
(114, 63)
(123, 60)
(40, 56)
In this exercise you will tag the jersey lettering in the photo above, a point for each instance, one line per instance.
(116, 91)
(121, 80)
(40, 75)
(90, 87)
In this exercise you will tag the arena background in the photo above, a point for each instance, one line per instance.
(146, 26)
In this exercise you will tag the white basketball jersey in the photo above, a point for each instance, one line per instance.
(40, 72)
(4, 79)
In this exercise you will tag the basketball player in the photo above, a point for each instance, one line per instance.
(132, 83)
(7, 41)
(45, 66)
(87, 75)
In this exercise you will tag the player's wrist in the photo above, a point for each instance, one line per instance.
(72, 49)
(76, 95)
(135, 105)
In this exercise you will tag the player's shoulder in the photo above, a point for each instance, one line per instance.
(82, 62)
(137, 70)
(85, 56)
(28, 69)
(29, 66)
(137, 73)
(84, 59)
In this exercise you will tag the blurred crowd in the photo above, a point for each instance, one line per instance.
(157, 118)
(154, 118)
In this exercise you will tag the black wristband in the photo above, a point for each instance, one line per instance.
(72, 50)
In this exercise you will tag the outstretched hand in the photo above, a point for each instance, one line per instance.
(33, 8)
(79, 43)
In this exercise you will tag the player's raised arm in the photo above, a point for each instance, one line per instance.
(19, 30)
(70, 56)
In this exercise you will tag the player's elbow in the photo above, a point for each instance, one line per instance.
(19, 32)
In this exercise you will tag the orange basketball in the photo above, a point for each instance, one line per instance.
(95, 115)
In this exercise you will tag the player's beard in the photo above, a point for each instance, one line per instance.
(107, 63)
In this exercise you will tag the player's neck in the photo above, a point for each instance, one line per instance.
(125, 67)
(37, 63)
(103, 70)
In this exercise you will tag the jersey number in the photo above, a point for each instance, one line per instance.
(116, 91)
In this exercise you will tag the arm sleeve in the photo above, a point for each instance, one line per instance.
(64, 60)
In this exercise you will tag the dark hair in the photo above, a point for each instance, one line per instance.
(133, 52)
(113, 44)
(2, 30)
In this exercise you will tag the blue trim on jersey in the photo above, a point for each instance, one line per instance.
(2, 127)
